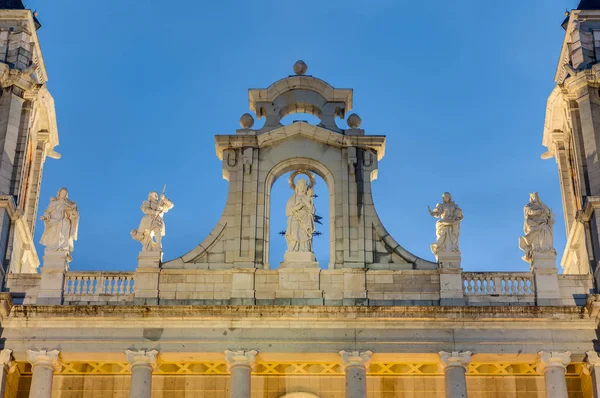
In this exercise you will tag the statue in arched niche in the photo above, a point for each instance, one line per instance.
(300, 211)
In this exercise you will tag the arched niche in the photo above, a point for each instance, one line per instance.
(313, 166)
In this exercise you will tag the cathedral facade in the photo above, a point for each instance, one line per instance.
(225, 320)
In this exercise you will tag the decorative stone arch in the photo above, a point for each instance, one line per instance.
(346, 159)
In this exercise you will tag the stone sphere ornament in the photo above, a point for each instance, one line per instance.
(246, 121)
(300, 67)
(354, 121)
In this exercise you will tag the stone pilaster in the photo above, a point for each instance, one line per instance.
(355, 365)
(554, 365)
(454, 365)
(7, 364)
(142, 364)
(240, 364)
(43, 365)
(56, 263)
(593, 369)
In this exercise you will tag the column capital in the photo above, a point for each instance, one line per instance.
(356, 358)
(6, 360)
(549, 360)
(142, 358)
(240, 358)
(591, 361)
(454, 359)
(45, 358)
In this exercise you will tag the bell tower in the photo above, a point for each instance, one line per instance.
(28, 134)
(572, 136)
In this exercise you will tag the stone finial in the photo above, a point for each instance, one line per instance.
(6, 359)
(454, 359)
(141, 357)
(356, 358)
(553, 359)
(354, 121)
(300, 67)
(44, 358)
(592, 359)
(246, 121)
(240, 358)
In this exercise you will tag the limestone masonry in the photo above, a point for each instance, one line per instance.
(226, 320)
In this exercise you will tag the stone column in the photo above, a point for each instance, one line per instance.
(240, 364)
(454, 365)
(593, 369)
(554, 364)
(43, 365)
(142, 363)
(355, 365)
(6, 361)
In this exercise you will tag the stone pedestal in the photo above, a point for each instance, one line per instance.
(543, 266)
(240, 364)
(146, 278)
(454, 365)
(355, 365)
(592, 368)
(43, 365)
(7, 363)
(299, 260)
(452, 291)
(142, 363)
(554, 365)
(299, 286)
(56, 263)
(449, 259)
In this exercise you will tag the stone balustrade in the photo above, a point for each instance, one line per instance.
(301, 287)
(94, 287)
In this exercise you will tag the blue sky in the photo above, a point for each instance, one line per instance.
(459, 88)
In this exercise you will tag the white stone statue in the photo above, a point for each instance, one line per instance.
(538, 228)
(300, 210)
(152, 226)
(61, 220)
(447, 228)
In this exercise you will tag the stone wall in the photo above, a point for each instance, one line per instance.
(575, 288)
(23, 288)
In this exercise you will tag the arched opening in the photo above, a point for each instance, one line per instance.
(300, 117)
(278, 192)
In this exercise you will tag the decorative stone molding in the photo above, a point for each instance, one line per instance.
(454, 359)
(240, 358)
(592, 360)
(142, 358)
(44, 358)
(356, 358)
(549, 360)
(300, 395)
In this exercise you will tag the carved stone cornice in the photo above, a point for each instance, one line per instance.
(142, 358)
(454, 359)
(360, 359)
(316, 133)
(44, 358)
(240, 358)
(549, 360)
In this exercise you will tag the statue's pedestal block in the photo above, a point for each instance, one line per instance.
(451, 287)
(56, 263)
(543, 266)
(299, 260)
(146, 278)
(449, 259)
